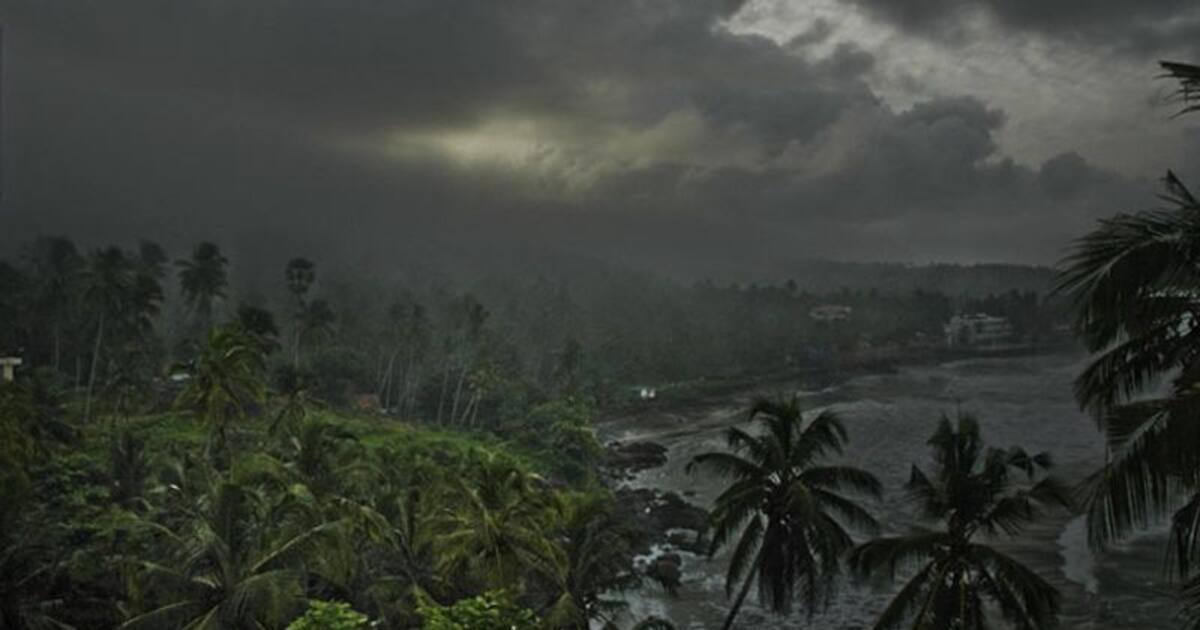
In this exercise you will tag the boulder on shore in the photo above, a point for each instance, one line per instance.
(633, 457)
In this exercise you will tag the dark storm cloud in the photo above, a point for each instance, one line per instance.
(1141, 25)
(652, 135)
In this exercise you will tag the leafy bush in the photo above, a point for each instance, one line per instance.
(324, 615)
(561, 432)
(493, 610)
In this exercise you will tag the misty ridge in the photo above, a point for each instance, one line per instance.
(634, 315)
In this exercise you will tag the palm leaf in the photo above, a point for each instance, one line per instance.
(1188, 76)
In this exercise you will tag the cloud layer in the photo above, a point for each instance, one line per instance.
(651, 132)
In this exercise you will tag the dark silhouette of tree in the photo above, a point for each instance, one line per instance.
(972, 490)
(203, 280)
(56, 266)
(108, 283)
(1134, 281)
(788, 510)
(299, 274)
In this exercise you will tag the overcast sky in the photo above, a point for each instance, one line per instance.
(677, 134)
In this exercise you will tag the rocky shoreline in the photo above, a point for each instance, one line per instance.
(666, 523)
(1124, 589)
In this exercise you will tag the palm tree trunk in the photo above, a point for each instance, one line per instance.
(407, 395)
(57, 345)
(87, 405)
(457, 394)
(465, 419)
(296, 349)
(442, 394)
(741, 598)
(387, 379)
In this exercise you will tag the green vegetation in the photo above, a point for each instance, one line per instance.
(493, 610)
(171, 461)
(330, 616)
(217, 514)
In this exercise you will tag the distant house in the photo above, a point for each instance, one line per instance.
(830, 313)
(978, 329)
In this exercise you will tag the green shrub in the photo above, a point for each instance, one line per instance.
(493, 610)
(322, 615)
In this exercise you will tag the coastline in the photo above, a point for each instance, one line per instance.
(1094, 588)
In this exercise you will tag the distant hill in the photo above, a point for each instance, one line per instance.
(822, 276)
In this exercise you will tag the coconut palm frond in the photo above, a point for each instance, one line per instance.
(785, 512)
(1188, 76)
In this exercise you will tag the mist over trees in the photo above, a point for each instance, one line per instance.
(452, 351)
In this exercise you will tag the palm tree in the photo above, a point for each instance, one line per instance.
(109, 280)
(1188, 76)
(223, 381)
(296, 400)
(495, 529)
(56, 265)
(299, 274)
(597, 544)
(1135, 282)
(203, 280)
(228, 569)
(261, 323)
(790, 508)
(972, 490)
(316, 320)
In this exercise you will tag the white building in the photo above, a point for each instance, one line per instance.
(979, 329)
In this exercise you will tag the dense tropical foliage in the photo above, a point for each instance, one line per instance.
(181, 451)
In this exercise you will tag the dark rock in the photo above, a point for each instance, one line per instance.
(653, 514)
(671, 511)
(666, 570)
(691, 542)
(635, 456)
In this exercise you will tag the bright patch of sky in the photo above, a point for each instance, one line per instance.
(1057, 96)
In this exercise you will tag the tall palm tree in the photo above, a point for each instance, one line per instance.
(299, 275)
(224, 380)
(971, 490)
(202, 278)
(790, 508)
(56, 265)
(228, 569)
(109, 281)
(1135, 282)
